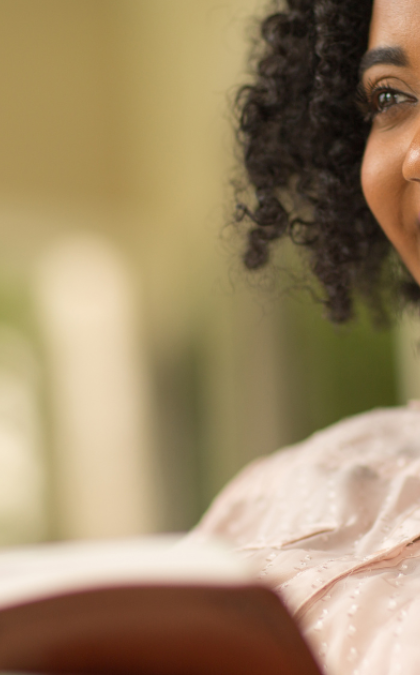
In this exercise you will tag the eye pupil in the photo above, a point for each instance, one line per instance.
(386, 98)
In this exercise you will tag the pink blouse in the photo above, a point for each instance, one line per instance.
(333, 524)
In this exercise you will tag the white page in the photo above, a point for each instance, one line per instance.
(29, 573)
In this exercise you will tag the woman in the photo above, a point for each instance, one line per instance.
(334, 119)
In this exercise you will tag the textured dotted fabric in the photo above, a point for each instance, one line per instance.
(334, 525)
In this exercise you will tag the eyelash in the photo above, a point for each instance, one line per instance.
(367, 99)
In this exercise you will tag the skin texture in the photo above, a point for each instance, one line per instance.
(391, 163)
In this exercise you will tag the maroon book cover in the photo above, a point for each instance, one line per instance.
(159, 623)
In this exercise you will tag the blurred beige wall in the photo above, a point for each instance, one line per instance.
(115, 119)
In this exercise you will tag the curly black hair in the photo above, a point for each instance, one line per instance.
(303, 134)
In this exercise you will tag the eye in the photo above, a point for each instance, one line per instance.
(383, 99)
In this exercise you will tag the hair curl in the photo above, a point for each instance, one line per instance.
(302, 133)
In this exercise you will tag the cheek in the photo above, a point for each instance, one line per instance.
(382, 185)
(392, 199)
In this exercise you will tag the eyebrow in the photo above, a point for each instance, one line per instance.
(394, 56)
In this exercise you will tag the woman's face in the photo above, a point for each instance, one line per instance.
(391, 164)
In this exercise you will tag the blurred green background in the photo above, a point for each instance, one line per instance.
(139, 368)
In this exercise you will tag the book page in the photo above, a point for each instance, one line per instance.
(29, 573)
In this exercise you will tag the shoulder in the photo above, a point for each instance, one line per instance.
(370, 449)
(398, 423)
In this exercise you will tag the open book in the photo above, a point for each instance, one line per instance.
(146, 607)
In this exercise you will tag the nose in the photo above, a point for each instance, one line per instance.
(411, 162)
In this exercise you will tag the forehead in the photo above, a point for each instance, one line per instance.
(395, 22)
